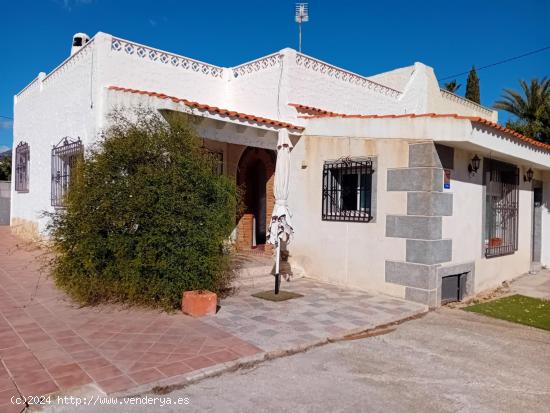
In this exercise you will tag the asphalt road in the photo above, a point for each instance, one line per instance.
(447, 361)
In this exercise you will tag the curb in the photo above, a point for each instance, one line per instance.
(179, 382)
(165, 386)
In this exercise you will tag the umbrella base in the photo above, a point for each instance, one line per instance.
(282, 296)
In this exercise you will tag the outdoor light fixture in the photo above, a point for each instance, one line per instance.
(474, 165)
(528, 177)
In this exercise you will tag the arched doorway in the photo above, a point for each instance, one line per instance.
(255, 178)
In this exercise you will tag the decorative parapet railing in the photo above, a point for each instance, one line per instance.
(60, 69)
(80, 55)
(468, 103)
(254, 66)
(343, 75)
(29, 88)
(161, 57)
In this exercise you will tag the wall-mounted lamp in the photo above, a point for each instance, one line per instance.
(528, 177)
(473, 167)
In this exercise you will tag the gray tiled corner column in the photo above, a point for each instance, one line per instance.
(417, 227)
(426, 250)
(429, 203)
(429, 251)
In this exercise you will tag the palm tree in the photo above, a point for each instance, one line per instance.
(452, 86)
(531, 106)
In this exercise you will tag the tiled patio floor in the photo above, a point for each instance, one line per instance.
(48, 344)
(324, 311)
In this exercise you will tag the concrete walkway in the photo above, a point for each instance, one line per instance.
(533, 285)
(48, 344)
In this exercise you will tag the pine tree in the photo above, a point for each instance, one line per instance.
(472, 86)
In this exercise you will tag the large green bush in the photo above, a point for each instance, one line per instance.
(146, 216)
(5, 167)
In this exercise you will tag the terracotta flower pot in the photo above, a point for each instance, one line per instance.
(198, 303)
(495, 242)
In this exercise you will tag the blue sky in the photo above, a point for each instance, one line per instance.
(367, 37)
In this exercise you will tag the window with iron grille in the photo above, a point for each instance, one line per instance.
(347, 190)
(218, 156)
(64, 158)
(501, 208)
(22, 160)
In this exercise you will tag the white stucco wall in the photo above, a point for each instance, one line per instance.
(545, 253)
(130, 65)
(396, 79)
(343, 251)
(465, 226)
(354, 254)
(446, 130)
(351, 254)
(318, 84)
(448, 102)
(63, 104)
(257, 87)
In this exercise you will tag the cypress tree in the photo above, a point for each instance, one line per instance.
(472, 86)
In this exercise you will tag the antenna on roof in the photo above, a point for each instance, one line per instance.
(302, 16)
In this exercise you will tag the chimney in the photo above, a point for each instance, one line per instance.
(79, 41)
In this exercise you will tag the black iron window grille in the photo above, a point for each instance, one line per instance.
(218, 168)
(218, 158)
(501, 208)
(64, 158)
(347, 190)
(22, 160)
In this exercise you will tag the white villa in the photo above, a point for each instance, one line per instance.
(396, 185)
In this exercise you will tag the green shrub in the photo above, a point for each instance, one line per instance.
(146, 216)
(5, 167)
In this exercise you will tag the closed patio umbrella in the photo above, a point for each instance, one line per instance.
(280, 228)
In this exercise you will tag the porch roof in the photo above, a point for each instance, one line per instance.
(471, 133)
(316, 113)
(225, 113)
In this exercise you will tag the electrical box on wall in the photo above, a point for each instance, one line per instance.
(446, 179)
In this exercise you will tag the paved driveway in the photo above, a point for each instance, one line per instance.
(447, 361)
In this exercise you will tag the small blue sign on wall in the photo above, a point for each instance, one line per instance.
(446, 179)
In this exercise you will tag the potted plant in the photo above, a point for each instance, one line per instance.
(495, 242)
(197, 303)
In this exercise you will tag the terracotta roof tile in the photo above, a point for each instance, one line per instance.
(319, 113)
(212, 109)
(312, 110)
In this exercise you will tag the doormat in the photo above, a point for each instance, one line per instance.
(271, 296)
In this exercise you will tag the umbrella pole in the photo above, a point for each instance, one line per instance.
(277, 275)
